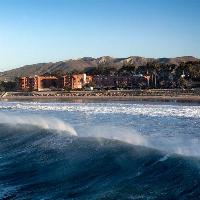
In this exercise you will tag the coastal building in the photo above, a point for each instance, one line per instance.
(118, 81)
(104, 81)
(42, 83)
(78, 81)
(64, 82)
(37, 83)
(45, 83)
(24, 83)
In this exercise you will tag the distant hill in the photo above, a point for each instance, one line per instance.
(85, 63)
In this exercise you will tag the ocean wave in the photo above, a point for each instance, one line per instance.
(179, 144)
(38, 163)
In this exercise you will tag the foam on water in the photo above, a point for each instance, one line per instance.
(185, 144)
(106, 108)
(40, 164)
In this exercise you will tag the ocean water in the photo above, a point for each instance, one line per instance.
(99, 150)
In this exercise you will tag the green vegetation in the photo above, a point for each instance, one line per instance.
(6, 86)
(163, 76)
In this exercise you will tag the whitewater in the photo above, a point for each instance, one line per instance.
(99, 150)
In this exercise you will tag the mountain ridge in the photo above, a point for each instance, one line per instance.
(82, 64)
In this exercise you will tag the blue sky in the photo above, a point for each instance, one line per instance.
(33, 31)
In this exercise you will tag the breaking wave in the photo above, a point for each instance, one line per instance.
(37, 120)
(38, 163)
(44, 157)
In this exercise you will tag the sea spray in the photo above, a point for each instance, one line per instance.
(44, 165)
(169, 127)
(124, 134)
(37, 120)
(183, 145)
(41, 164)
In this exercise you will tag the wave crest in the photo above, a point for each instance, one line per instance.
(37, 120)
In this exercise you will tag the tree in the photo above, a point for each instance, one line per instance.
(75, 71)
(127, 70)
(8, 86)
(182, 83)
(58, 73)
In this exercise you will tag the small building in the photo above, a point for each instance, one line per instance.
(79, 80)
(24, 83)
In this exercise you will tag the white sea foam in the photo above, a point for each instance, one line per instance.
(106, 108)
(175, 141)
(37, 120)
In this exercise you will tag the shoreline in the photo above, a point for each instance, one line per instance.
(182, 99)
